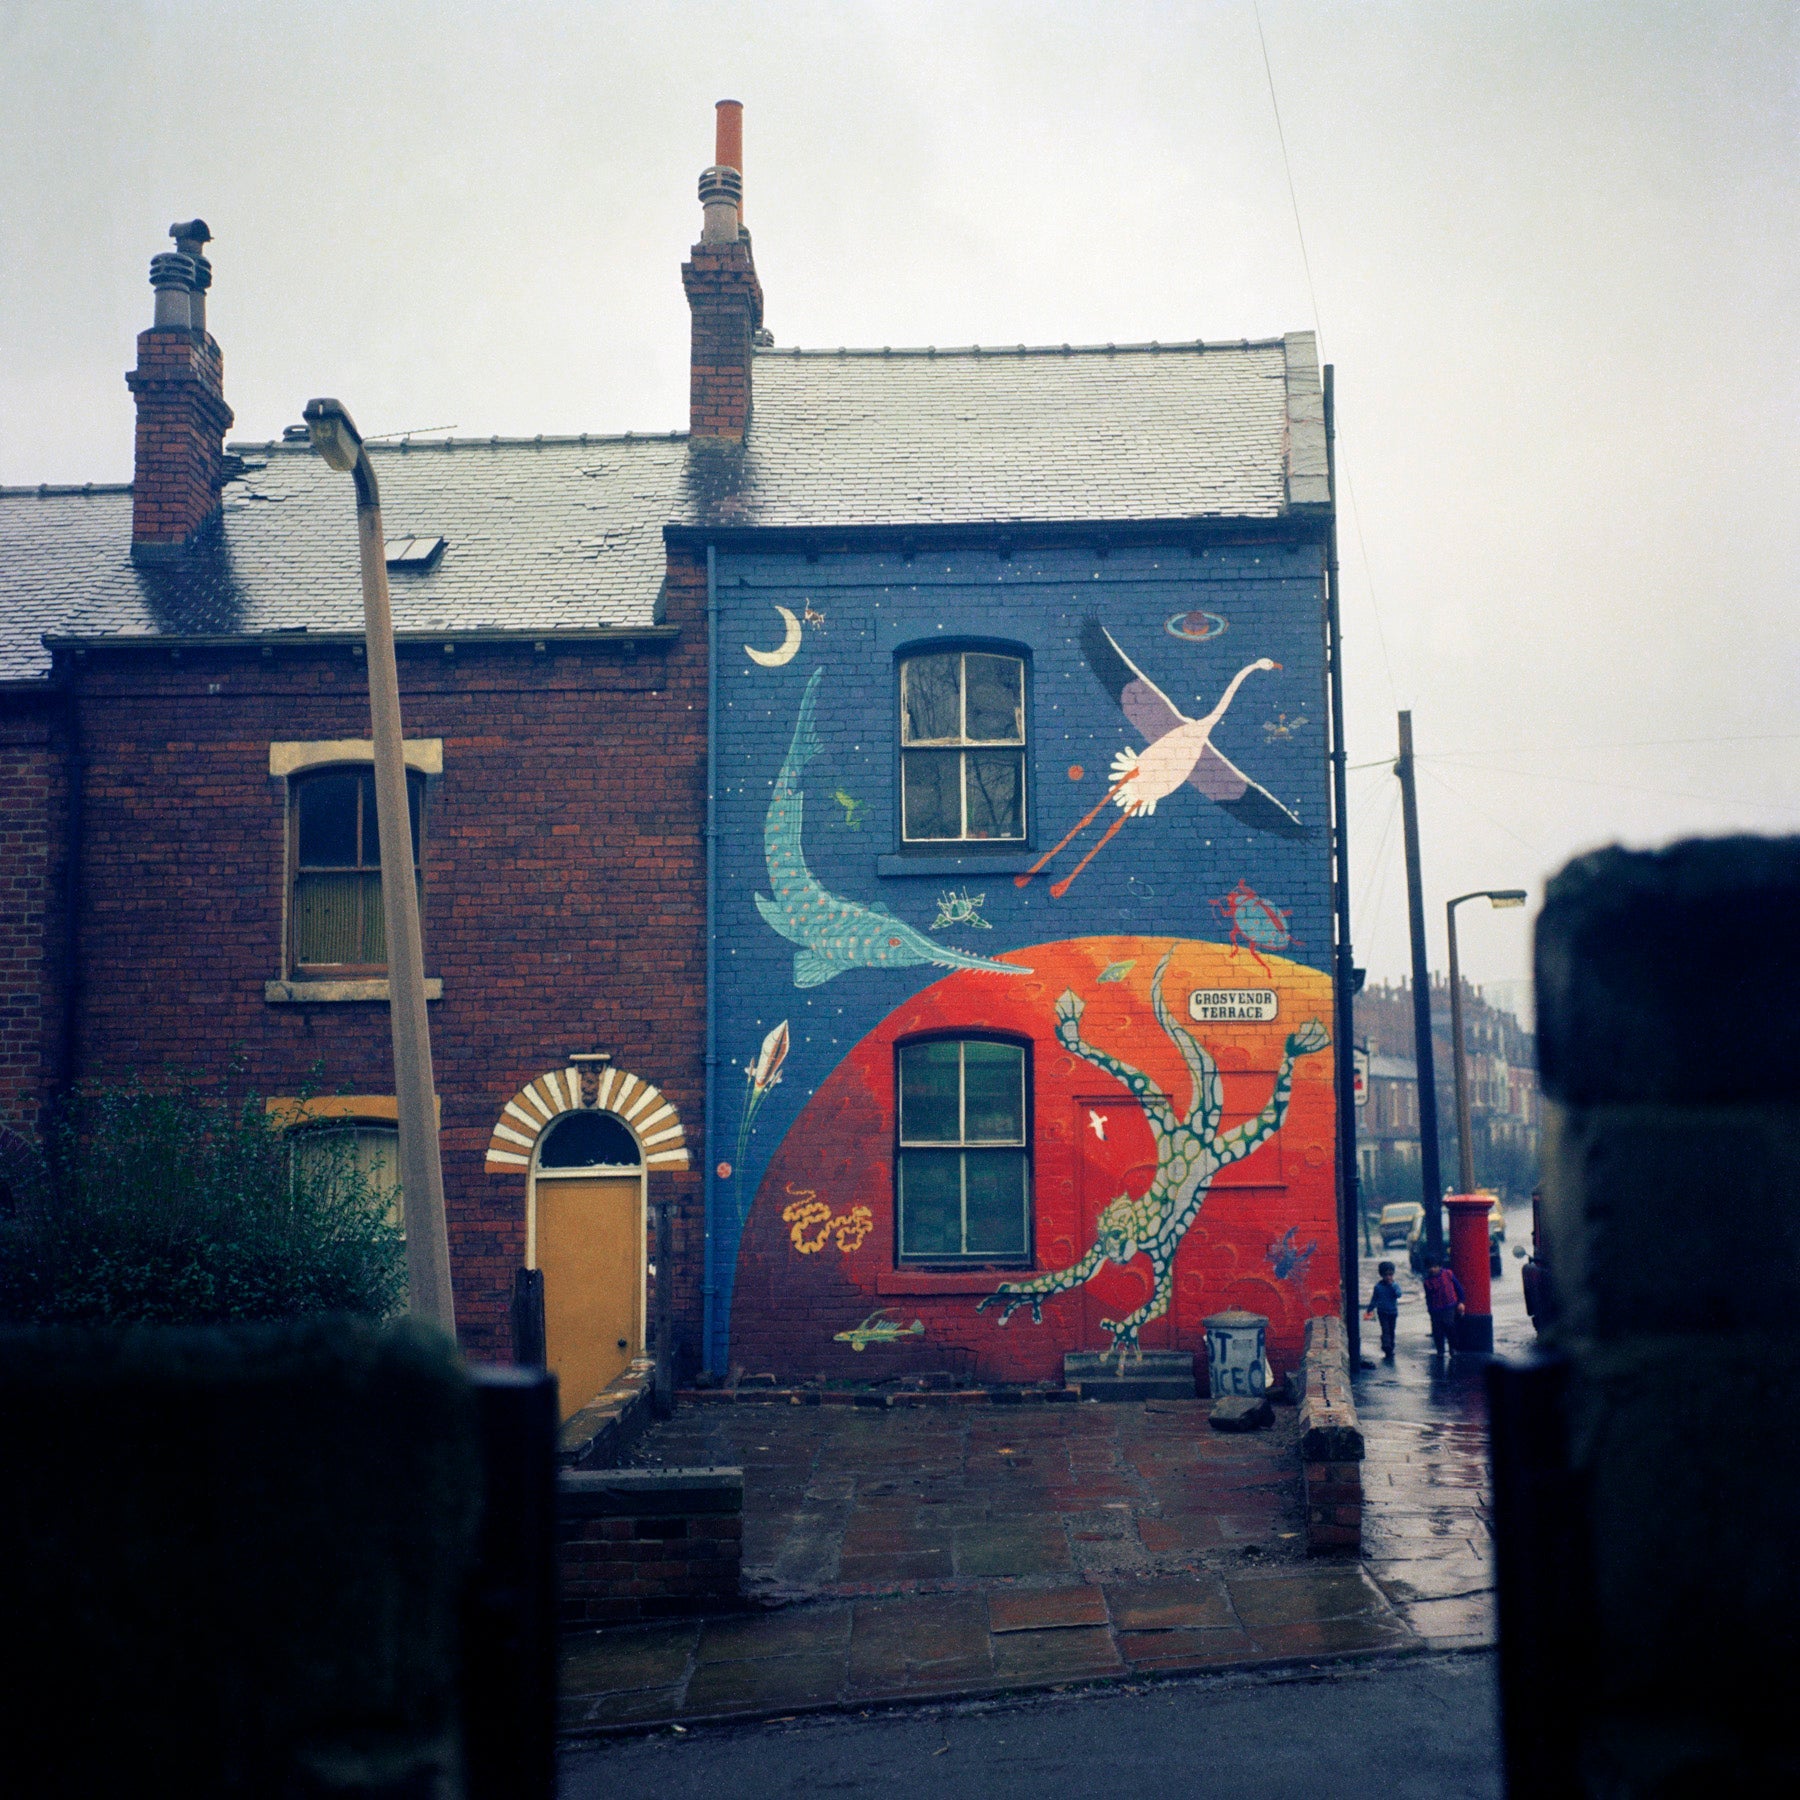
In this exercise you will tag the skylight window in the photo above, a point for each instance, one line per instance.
(414, 555)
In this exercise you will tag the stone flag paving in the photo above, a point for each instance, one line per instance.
(1427, 1496)
(938, 1550)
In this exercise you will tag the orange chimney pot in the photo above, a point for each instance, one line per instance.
(729, 145)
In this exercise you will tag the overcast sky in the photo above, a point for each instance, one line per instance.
(1552, 249)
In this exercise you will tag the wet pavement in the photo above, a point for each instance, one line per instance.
(945, 1549)
(954, 1549)
(1427, 1497)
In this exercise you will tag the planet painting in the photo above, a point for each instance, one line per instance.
(1197, 627)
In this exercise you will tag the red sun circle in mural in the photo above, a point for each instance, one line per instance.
(1099, 1164)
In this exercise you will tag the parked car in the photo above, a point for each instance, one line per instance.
(1401, 1223)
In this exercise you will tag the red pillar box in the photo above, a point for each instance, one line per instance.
(1469, 1259)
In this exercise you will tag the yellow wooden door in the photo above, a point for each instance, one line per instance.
(590, 1247)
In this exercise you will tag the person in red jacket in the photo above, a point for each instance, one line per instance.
(1444, 1300)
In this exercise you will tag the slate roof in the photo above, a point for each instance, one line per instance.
(559, 537)
(563, 534)
(1108, 435)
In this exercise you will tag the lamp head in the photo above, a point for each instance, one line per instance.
(1509, 897)
(334, 434)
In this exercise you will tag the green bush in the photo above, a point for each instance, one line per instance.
(173, 1205)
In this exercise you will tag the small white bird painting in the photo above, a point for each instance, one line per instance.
(1097, 1124)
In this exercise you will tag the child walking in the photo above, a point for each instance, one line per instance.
(1444, 1299)
(1384, 1304)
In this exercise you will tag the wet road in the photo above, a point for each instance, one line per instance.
(1427, 1500)
(1422, 1729)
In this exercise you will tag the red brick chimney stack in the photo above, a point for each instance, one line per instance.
(182, 418)
(723, 293)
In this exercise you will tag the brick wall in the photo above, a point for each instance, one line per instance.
(648, 1543)
(564, 892)
(31, 851)
(1193, 616)
(1331, 1442)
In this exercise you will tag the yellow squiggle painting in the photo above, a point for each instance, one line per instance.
(812, 1226)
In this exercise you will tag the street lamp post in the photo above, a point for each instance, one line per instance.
(336, 438)
(1465, 1150)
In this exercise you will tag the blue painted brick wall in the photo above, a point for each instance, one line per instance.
(1159, 876)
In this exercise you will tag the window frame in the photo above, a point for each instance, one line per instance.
(323, 1114)
(962, 747)
(298, 969)
(318, 1129)
(960, 1262)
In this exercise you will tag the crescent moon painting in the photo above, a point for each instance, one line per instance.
(773, 659)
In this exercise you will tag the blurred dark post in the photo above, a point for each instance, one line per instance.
(665, 1310)
(1546, 1601)
(528, 1318)
(250, 1547)
(1648, 1563)
(509, 1615)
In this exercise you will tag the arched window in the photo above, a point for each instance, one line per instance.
(962, 1176)
(962, 747)
(588, 1140)
(336, 917)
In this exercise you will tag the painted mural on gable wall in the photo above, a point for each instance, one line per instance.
(995, 1123)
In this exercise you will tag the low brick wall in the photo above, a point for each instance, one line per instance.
(600, 1434)
(648, 1543)
(1331, 1442)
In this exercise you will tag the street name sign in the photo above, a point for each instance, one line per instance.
(1232, 1006)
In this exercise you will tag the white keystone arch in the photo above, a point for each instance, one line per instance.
(651, 1119)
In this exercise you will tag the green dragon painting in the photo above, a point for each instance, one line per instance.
(1190, 1151)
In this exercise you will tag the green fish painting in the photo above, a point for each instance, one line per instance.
(832, 934)
(877, 1328)
(1116, 971)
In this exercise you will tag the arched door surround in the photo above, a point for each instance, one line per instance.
(652, 1119)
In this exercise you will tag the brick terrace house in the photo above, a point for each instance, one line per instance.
(191, 869)
(917, 614)
(1505, 1107)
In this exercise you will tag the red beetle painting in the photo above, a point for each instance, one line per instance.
(1256, 926)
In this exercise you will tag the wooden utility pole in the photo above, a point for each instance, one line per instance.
(1344, 969)
(1430, 1176)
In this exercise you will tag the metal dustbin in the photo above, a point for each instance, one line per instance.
(1237, 1354)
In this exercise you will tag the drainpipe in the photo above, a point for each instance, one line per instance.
(1349, 1202)
(709, 1181)
(73, 766)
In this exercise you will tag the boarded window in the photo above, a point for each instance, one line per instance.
(367, 1154)
(337, 917)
